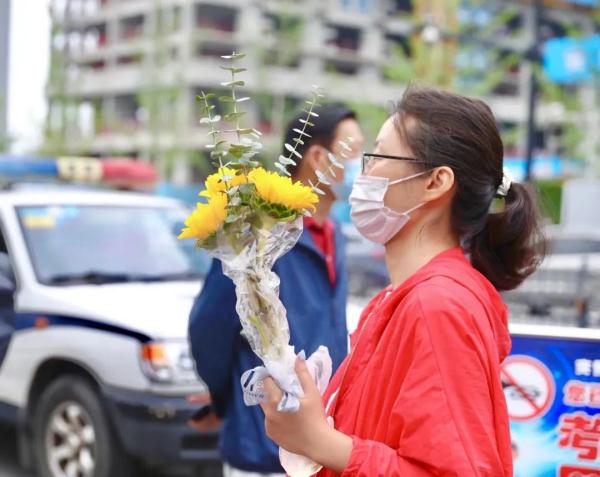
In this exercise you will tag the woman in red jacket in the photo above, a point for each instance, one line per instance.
(420, 394)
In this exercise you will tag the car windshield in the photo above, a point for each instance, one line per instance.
(71, 244)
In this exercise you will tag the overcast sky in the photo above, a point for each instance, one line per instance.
(28, 69)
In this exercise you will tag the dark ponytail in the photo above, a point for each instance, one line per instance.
(510, 246)
(446, 129)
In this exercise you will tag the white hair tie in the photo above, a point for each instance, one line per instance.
(507, 181)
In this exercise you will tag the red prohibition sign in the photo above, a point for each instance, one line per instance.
(528, 386)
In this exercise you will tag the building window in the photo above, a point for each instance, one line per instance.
(212, 49)
(129, 59)
(132, 27)
(212, 17)
(345, 38)
(94, 37)
(127, 110)
(400, 7)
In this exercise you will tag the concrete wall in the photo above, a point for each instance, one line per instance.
(4, 50)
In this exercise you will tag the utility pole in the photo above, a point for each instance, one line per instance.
(534, 59)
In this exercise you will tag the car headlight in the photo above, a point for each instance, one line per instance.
(168, 362)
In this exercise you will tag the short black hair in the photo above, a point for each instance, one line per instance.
(323, 131)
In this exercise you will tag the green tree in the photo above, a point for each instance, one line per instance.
(60, 105)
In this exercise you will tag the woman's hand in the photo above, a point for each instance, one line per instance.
(305, 432)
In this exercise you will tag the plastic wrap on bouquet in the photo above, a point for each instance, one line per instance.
(248, 262)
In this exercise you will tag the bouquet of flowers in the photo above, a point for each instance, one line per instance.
(250, 218)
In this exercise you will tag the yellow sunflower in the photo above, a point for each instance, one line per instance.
(277, 189)
(206, 219)
(214, 184)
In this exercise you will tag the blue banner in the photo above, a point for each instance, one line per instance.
(572, 60)
(584, 3)
(552, 388)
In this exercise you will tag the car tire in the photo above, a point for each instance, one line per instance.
(71, 432)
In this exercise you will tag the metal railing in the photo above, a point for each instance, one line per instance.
(565, 297)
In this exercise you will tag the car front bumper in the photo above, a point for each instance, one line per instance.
(154, 428)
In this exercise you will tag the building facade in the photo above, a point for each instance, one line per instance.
(4, 52)
(125, 73)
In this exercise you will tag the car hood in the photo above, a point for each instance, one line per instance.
(159, 310)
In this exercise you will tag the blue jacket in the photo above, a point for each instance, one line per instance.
(317, 316)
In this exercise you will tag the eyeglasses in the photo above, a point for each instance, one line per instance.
(367, 157)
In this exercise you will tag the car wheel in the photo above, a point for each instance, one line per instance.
(72, 436)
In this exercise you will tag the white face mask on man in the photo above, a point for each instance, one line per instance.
(373, 219)
(342, 189)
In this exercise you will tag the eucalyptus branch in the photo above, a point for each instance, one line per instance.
(235, 111)
(241, 148)
(333, 163)
(214, 133)
(284, 161)
(305, 122)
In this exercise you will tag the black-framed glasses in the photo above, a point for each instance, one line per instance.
(368, 157)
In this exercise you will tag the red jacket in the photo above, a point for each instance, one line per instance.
(421, 392)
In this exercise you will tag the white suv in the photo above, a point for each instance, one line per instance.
(98, 369)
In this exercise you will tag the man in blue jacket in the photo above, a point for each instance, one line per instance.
(313, 290)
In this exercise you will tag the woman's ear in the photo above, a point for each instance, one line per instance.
(439, 182)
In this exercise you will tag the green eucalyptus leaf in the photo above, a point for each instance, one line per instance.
(205, 96)
(311, 113)
(302, 133)
(233, 69)
(234, 56)
(210, 120)
(286, 161)
(282, 169)
(234, 83)
(322, 177)
(292, 149)
(235, 201)
(234, 116)
(334, 160)
(344, 145)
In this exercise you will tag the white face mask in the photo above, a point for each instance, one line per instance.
(341, 190)
(373, 219)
